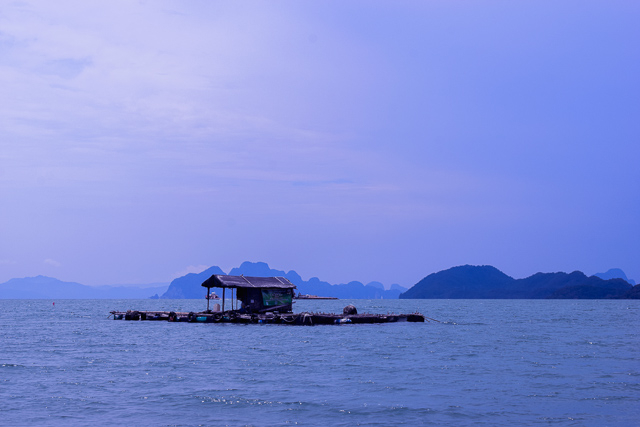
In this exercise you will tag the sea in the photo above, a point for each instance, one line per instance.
(474, 363)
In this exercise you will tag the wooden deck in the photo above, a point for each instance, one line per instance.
(304, 318)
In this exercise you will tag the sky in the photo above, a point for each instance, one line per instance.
(361, 140)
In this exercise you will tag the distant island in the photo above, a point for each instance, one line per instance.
(487, 282)
(465, 281)
(43, 287)
(189, 286)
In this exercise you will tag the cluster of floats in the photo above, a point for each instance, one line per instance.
(261, 300)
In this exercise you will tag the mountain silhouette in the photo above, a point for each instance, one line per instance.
(189, 286)
(43, 287)
(469, 282)
(465, 281)
(615, 273)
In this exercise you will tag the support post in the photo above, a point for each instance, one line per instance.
(208, 293)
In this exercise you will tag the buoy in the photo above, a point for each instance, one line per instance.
(54, 304)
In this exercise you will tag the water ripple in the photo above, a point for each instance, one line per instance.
(493, 363)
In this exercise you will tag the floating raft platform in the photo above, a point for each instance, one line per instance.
(262, 300)
(233, 316)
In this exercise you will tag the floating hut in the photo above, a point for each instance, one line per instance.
(262, 300)
(254, 294)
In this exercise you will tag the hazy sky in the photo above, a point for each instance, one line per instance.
(349, 140)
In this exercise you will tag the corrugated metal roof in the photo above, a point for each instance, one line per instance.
(223, 281)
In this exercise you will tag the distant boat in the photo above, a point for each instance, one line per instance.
(306, 296)
(213, 295)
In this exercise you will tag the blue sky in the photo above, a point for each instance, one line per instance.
(362, 140)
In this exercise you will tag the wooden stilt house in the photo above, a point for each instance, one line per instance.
(254, 294)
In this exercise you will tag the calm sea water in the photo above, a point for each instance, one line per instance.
(490, 362)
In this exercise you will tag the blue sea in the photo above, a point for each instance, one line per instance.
(485, 363)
